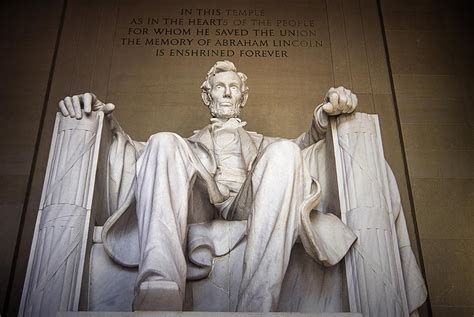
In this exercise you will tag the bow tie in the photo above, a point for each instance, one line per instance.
(230, 124)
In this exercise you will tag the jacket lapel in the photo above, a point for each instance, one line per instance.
(203, 137)
(249, 145)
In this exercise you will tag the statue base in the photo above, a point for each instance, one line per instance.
(200, 314)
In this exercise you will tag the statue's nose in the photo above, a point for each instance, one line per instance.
(227, 92)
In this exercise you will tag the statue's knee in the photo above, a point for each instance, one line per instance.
(164, 141)
(282, 156)
(284, 151)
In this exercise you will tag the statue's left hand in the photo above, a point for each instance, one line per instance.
(339, 100)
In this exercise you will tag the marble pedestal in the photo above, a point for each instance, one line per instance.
(200, 314)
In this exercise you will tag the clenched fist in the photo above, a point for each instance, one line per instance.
(71, 106)
(339, 100)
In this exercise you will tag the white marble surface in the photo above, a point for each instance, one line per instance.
(111, 286)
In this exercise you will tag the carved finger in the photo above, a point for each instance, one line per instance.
(76, 103)
(96, 103)
(87, 101)
(341, 90)
(342, 102)
(355, 102)
(334, 99)
(62, 108)
(69, 107)
(330, 91)
(349, 104)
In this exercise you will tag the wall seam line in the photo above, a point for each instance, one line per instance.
(33, 162)
(405, 162)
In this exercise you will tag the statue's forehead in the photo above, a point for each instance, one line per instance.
(229, 76)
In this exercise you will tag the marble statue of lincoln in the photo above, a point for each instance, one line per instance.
(247, 176)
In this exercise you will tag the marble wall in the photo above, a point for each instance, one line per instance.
(28, 41)
(429, 60)
(431, 50)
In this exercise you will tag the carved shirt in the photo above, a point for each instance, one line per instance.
(231, 169)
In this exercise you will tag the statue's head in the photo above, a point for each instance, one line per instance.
(224, 91)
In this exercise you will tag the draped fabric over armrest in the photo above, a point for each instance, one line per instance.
(120, 232)
(56, 264)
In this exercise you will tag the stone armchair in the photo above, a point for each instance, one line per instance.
(69, 268)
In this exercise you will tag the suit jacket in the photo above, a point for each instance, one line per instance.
(120, 231)
(203, 147)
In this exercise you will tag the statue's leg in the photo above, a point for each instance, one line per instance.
(165, 175)
(280, 182)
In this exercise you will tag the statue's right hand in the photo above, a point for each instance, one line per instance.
(71, 106)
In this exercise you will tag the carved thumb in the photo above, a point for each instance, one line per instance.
(108, 108)
(328, 107)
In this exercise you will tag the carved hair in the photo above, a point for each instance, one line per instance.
(220, 67)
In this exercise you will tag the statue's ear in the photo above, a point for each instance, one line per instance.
(206, 98)
(244, 99)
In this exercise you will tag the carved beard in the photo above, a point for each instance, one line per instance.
(224, 112)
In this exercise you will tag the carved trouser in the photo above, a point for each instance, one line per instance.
(166, 174)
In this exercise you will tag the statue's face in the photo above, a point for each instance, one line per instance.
(226, 95)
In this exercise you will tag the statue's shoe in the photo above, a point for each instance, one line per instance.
(160, 295)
